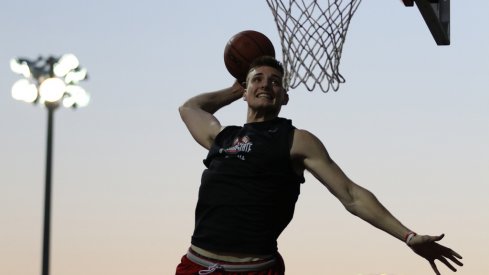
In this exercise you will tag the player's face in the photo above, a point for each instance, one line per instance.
(264, 89)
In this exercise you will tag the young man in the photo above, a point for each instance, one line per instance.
(249, 189)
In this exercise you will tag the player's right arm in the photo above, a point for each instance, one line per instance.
(198, 113)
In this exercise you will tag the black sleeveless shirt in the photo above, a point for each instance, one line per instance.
(249, 189)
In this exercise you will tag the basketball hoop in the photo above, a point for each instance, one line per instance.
(312, 35)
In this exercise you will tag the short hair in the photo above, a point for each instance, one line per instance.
(269, 61)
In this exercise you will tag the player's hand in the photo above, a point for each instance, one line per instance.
(240, 83)
(428, 248)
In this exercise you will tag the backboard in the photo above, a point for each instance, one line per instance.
(436, 14)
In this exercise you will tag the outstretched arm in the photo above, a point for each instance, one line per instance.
(197, 113)
(308, 151)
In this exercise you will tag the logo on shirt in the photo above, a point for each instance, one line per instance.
(241, 145)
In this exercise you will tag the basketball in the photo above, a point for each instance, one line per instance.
(242, 49)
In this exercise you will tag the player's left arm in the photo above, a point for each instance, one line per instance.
(357, 200)
(311, 154)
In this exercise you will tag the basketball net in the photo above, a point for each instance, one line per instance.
(312, 36)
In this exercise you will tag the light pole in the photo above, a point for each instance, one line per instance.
(51, 82)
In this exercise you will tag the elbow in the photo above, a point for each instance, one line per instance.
(352, 201)
(186, 106)
(363, 204)
(181, 109)
(184, 111)
(352, 208)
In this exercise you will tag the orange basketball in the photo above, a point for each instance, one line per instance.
(242, 49)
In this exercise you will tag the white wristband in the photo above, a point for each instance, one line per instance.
(409, 236)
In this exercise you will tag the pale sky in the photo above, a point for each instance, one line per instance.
(410, 124)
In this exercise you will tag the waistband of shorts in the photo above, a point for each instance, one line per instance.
(230, 266)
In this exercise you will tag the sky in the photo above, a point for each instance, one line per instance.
(410, 124)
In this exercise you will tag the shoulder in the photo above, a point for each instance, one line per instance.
(308, 152)
(303, 136)
(304, 143)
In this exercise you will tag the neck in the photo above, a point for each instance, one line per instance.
(257, 116)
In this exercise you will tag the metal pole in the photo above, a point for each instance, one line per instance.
(47, 194)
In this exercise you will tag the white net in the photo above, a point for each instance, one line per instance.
(312, 35)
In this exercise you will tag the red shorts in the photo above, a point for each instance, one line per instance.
(189, 267)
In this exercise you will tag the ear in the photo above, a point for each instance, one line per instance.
(245, 94)
(286, 98)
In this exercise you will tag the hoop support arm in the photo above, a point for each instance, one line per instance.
(437, 17)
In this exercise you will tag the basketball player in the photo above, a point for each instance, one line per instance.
(249, 189)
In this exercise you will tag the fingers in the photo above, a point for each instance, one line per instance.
(452, 255)
(455, 260)
(433, 265)
(437, 238)
(456, 254)
(447, 263)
